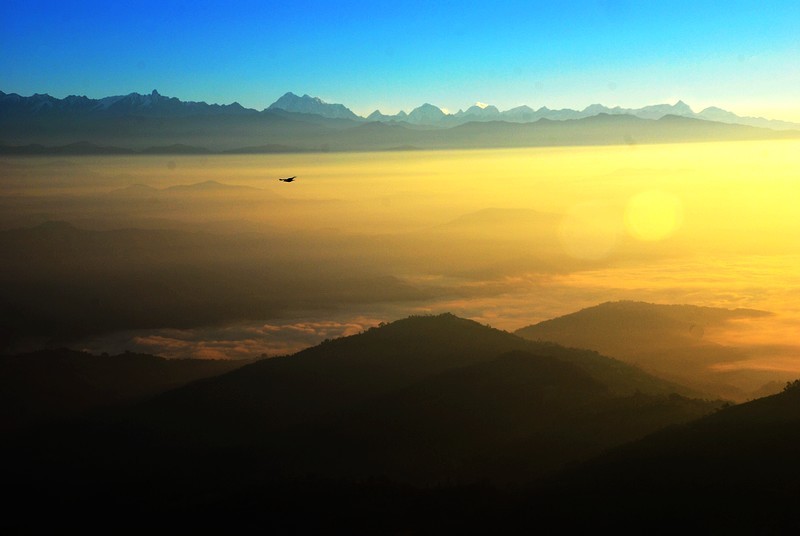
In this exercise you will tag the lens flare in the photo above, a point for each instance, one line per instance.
(653, 215)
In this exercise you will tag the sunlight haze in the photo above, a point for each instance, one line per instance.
(508, 237)
(380, 267)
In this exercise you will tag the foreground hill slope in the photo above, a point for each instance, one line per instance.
(510, 419)
(424, 401)
(734, 470)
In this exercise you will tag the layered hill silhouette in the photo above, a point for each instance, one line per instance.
(732, 471)
(341, 373)
(422, 400)
(343, 434)
(155, 124)
(667, 340)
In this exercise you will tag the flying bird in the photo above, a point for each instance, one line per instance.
(287, 179)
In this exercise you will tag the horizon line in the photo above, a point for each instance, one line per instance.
(446, 110)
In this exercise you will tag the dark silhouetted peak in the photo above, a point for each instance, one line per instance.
(435, 333)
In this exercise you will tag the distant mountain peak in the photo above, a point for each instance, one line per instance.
(682, 107)
(596, 108)
(426, 114)
(302, 123)
(307, 104)
(481, 110)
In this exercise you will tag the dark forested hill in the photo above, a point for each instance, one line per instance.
(423, 401)
(734, 471)
(272, 395)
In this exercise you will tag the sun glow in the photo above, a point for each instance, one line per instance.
(653, 215)
(511, 236)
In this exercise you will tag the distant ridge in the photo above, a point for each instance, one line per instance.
(77, 148)
(155, 124)
(666, 340)
(176, 148)
(87, 148)
(157, 105)
(153, 104)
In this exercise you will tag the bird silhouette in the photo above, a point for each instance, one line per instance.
(287, 179)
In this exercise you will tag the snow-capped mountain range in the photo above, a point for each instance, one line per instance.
(154, 104)
(151, 104)
(430, 115)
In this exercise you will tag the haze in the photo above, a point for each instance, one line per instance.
(247, 265)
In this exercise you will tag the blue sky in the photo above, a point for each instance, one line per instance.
(742, 56)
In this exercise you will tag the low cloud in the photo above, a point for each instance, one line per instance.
(240, 341)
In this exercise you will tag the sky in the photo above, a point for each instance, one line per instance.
(743, 56)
